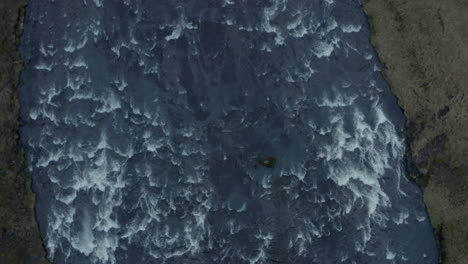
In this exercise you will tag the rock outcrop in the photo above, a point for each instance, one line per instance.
(424, 47)
(20, 241)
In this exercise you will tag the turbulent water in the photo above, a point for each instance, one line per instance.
(144, 123)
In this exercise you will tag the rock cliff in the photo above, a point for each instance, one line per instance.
(20, 241)
(424, 47)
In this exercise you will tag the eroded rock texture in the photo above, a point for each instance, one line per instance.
(424, 47)
(19, 235)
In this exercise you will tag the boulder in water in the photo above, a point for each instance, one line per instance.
(268, 162)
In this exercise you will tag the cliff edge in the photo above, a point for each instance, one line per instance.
(20, 241)
(424, 47)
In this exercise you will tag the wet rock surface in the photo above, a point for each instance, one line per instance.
(19, 235)
(423, 46)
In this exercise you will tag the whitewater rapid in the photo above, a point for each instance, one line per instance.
(144, 122)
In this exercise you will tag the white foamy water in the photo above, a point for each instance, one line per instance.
(145, 124)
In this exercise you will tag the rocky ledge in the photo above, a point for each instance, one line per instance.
(20, 241)
(424, 47)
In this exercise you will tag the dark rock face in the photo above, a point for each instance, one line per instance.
(423, 46)
(436, 145)
(20, 241)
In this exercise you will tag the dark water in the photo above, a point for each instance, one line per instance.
(144, 122)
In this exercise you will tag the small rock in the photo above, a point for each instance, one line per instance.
(268, 162)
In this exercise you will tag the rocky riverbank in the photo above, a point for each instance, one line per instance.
(423, 45)
(20, 241)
